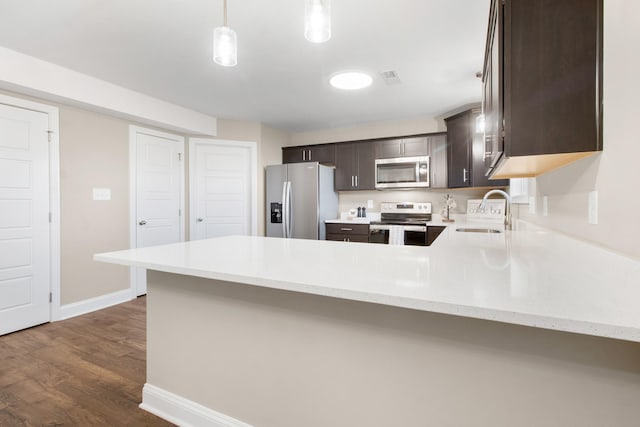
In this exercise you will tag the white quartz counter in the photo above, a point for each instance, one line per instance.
(530, 276)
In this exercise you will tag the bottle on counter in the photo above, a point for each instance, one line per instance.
(364, 212)
(359, 212)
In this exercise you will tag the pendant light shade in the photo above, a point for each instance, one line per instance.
(317, 20)
(225, 44)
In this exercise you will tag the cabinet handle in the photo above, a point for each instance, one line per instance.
(356, 180)
(465, 175)
(304, 155)
(488, 147)
(346, 229)
(352, 181)
(309, 155)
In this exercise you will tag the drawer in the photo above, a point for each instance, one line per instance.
(351, 229)
(348, 238)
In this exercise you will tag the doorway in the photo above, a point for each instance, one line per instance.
(156, 193)
(29, 214)
(222, 188)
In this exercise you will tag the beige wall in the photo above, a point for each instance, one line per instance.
(94, 152)
(614, 172)
(275, 358)
(411, 126)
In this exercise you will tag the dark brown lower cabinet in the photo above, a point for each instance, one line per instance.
(433, 231)
(345, 232)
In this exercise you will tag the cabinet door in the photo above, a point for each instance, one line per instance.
(291, 155)
(459, 151)
(366, 165)
(324, 153)
(552, 90)
(415, 146)
(388, 148)
(345, 171)
(438, 161)
(492, 104)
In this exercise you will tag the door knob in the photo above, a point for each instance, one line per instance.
(200, 219)
(143, 222)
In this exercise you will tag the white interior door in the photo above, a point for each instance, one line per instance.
(222, 188)
(159, 195)
(24, 219)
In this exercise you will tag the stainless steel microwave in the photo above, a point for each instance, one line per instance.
(403, 172)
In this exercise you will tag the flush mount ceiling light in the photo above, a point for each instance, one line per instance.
(351, 80)
(225, 44)
(317, 20)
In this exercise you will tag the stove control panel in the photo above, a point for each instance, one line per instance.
(494, 209)
(406, 207)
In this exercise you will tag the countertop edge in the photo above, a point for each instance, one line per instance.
(511, 317)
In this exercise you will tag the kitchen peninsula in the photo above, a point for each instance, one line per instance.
(524, 327)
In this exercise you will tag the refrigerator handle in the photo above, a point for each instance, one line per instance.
(289, 200)
(284, 209)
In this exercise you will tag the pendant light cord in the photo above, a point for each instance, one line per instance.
(225, 13)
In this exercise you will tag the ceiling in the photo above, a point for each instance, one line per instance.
(164, 49)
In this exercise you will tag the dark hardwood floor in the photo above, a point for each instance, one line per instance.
(85, 371)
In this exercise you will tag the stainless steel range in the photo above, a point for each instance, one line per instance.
(401, 223)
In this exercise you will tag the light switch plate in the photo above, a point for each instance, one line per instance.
(101, 194)
(593, 207)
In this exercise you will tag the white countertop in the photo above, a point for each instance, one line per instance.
(530, 276)
(355, 220)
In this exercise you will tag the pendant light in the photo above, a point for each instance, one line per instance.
(317, 20)
(225, 44)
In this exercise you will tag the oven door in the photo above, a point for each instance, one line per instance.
(415, 235)
(378, 235)
(404, 172)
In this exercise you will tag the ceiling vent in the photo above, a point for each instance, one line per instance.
(390, 77)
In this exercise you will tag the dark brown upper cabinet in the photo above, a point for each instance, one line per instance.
(321, 153)
(355, 166)
(437, 144)
(402, 147)
(542, 85)
(466, 153)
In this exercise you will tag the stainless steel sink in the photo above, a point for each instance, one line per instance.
(478, 230)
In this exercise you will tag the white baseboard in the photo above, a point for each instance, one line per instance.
(183, 412)
(87, 306)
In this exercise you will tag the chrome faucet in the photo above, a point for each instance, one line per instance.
(507, 213)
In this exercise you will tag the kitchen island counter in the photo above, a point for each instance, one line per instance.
(267, 332)
(531, 276)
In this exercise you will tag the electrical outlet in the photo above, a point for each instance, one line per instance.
(369, 204)
(545, 205)
(593, 207)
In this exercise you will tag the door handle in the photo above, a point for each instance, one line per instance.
(200, 219)
(143, 222)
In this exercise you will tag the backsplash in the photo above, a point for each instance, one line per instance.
(352, 199)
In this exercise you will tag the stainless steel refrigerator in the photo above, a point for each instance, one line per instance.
(300, 197)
